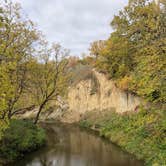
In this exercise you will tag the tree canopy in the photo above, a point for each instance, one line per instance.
(31, 73)
(135, 53)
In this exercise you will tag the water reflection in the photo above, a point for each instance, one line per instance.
(71, 146)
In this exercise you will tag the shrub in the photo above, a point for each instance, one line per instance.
(85, 124)
(22, 136)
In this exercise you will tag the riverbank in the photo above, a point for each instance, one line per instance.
(22, 137)
(142, 134)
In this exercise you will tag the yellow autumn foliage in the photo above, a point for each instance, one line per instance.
(124, 82)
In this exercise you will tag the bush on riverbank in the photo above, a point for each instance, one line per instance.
(21, 137)
(142, 134)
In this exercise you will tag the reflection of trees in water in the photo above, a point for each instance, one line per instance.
(45, 162)
(87, 149)
(70, 146)
(58, 142)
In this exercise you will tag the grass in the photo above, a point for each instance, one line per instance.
(142, 134)
(21, 137)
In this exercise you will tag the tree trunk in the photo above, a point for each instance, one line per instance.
(38, 114)
(9, 115)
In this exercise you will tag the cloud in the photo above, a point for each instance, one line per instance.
(73, 23)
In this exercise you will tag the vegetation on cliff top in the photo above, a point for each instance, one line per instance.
(135, 53)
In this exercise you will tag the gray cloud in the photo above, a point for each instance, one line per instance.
(73, 23)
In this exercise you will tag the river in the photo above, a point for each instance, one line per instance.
(68, 145)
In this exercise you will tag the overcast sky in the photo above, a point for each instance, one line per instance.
(73, 23)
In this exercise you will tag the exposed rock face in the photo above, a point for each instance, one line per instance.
(96, 93)
(85, 97)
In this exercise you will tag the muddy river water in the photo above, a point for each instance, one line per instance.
(68, 145)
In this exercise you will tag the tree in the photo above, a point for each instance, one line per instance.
(96, 48)
(3, 121)
(17, 38)
(30, 73)
(48, 76)
(149, 75)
